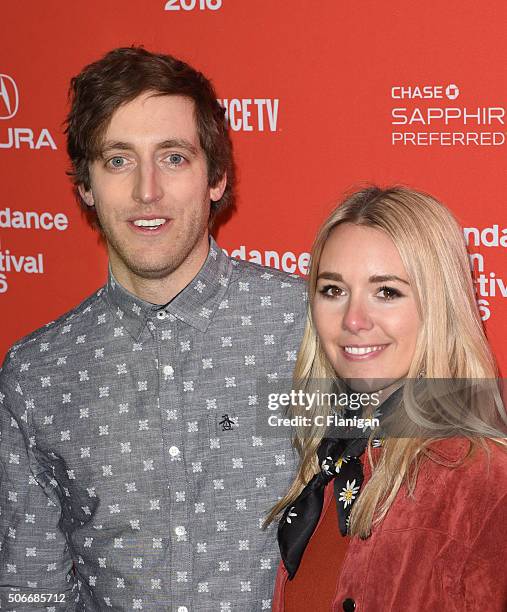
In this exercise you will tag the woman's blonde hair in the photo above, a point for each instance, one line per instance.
(451, 342)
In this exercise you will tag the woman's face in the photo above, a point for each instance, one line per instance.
(364, 308)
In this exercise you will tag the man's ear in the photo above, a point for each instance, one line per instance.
(87, 196)
(216, 192)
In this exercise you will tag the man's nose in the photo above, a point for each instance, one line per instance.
(147, 187)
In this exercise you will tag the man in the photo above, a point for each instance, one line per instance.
(133, 473)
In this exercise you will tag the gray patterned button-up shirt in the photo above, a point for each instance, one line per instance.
(132, 472)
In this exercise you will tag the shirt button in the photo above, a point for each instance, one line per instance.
(168, 370)
(182, 609)
(180, 530)
(349, 605)
(174, 451)
(161, 314)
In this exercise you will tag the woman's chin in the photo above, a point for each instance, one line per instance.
(370, 384)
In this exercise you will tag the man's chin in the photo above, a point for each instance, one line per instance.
(152, 272)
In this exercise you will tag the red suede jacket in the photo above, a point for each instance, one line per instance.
(445, 549)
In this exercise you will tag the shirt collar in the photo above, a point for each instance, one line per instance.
(195, 304)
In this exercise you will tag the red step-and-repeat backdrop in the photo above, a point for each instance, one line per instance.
(321, 96)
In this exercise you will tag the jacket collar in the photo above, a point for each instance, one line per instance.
(450, 450)
(195, 305)
(447, 450)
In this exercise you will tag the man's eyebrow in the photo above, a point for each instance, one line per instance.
(378, 278)
(119, 145)
(179, 143)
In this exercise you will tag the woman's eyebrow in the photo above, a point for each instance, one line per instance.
(331, 276)
(385, 278)
(377, 278)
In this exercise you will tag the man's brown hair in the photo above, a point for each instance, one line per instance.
(121, 76)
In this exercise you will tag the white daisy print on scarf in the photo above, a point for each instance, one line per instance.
(291, 515)
(349, 493)
(325, 466)
(339, 463)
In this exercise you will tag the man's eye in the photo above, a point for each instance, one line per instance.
(116, 162)
(175, 159)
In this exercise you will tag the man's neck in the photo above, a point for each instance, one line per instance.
(161, 290)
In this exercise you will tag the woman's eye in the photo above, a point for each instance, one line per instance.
(388, 293)
(331, 291)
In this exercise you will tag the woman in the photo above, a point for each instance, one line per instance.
(415, 520)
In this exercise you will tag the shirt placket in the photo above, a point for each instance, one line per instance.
(164, 326)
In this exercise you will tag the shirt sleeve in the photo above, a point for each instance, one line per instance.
(35, 563)
(484, 577)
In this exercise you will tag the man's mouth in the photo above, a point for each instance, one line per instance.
(149, 224)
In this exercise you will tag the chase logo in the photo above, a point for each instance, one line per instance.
(452, 91)
(9, 97)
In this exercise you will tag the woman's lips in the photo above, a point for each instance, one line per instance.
(363, 352)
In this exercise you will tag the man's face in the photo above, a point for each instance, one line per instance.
(150, 190)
